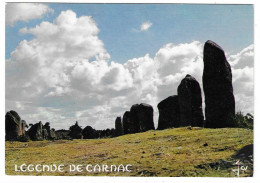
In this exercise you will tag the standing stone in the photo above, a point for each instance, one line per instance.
(39, 131)
(218, 89)
(118, 127)
(141, 118)
(14, 126)
(169, 113)
(45, 134)
(126, 122)
(134, 126)
(146, 117)
(190, 102)
(50, 132)
(36, 132)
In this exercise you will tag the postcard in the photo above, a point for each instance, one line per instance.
(129, 90)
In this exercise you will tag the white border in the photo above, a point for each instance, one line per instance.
(79, 179)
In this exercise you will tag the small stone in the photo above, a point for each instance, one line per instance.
(157, 154)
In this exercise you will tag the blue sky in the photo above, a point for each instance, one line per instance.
(230, 25)
(92, 62)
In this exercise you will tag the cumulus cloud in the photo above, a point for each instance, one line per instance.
(242, 65)
(25, 11)
(65, 74)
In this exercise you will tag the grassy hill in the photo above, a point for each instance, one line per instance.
(172, 152)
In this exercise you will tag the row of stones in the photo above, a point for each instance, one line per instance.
(185, 109)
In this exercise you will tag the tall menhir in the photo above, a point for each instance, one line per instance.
(218, 89)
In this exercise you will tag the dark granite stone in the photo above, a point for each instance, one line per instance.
(141, 118)
(36, 132)
(169, 113)
(126, 122)
(218, 89)
(14, 126)
(190, 102)
(119, 127)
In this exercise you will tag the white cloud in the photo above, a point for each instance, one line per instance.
(145, 26)
(243, 58)
(25, 11)
(243, 79)
(51, 77)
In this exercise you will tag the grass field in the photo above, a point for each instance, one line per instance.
(196, 152)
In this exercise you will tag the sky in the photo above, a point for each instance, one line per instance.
(92, 62)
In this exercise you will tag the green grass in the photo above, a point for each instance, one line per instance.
(171, 152)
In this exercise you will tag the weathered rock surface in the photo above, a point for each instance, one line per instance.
(39, 131)
(218, 89)
(126, 122)
(50, 132)
(119, 127)
(36, 132)
(45, 134)
(141, 118)
(134, 126)
(75, 131)
(169, 113)
(190, 102)
(14, 126)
